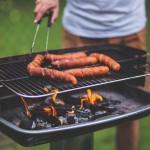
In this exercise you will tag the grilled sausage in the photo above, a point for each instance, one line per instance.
(37, 62)
(75, 62)
(54, 74)
(86, 72)
(54, 57)
(111, 63)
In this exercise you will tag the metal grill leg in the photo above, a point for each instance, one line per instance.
(82, 142)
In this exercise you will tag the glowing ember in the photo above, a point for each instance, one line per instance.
(50, 110)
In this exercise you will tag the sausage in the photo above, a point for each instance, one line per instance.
(34, 68)
(111, 63)
(54, 74)
(75, 62)
(86, 72)
(37, 62)
(54, 57)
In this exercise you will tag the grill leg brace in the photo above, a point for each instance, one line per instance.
(82, 142)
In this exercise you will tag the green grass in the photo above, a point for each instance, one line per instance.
(17, 30)
(16, 35)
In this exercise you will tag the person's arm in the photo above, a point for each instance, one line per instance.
(41, 6)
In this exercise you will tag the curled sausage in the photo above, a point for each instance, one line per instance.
(86, 72)
(37, 62)
(76, 62)
(54, 74)
(54, 57)
(111, 63)
(34, 68)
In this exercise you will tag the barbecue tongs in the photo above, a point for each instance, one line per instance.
(49, 15)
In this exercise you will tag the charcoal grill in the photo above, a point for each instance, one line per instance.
(16, 82)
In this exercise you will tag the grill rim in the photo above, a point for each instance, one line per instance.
(130, 50)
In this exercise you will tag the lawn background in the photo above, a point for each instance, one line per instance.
(16, 35)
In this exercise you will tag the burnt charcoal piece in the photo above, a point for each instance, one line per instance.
(27, 124)
(14, 115)
(71, 118)
(110, 102)
(61, 110)
(99, 114)
(110, 108)
(39, 112)
(110, 105)
(55, 122)
(83, 113)
(105, 105)
(72, 100)
(25, 121)
(21, 115)
(42, 122)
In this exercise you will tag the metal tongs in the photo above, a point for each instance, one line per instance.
(49, 15)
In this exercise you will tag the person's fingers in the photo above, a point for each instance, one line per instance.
(39, 12)
(37, 8)
(41, 8)
(54, 15)
(37, 2)
(38, 17)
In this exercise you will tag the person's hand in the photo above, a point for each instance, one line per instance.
(41, 6)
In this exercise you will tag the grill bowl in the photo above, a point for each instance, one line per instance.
(137, 99)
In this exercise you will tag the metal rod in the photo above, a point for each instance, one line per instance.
(47, 38)
(48, 29)
(32, 48)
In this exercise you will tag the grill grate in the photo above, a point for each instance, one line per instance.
(13, 71)
(33, 86)
(13, 74)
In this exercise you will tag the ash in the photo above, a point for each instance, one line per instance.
(41, 123)
(126, 103)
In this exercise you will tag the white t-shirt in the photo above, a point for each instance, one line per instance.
(104, 18)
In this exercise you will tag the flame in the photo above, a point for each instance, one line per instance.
(26, 107)
(54, 97)
(90, 98)
(55, 91)
(50, 110)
